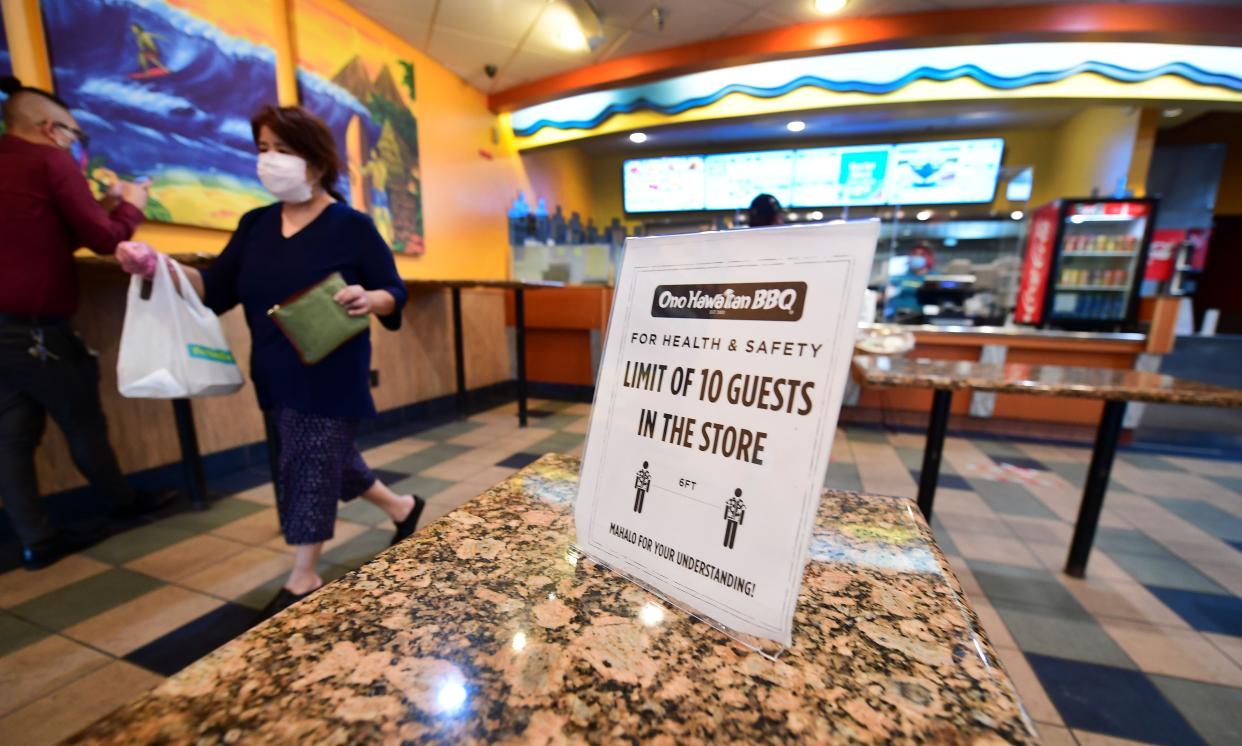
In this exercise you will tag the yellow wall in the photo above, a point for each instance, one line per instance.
(562, 176)
(1093, 151)
(468, 180)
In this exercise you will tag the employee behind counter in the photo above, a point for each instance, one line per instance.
(964, 294)
(906, 276)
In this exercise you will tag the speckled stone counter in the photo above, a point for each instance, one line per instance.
(1041, 380)
(486, 627)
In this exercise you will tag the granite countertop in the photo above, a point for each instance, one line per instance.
(487, 627)
(1040, 380)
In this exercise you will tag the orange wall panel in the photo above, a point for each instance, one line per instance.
(559, 356)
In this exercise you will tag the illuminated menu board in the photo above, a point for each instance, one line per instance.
(940, 173)
(840, 176)
(947, 172)
(664, 184)
(733, 180)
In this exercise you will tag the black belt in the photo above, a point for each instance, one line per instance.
(33, 321)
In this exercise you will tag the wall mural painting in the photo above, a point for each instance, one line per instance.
(363, 87)
(166, 89)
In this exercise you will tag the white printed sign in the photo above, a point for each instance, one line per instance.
(715, 408)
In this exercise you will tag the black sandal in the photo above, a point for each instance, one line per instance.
(406, 527)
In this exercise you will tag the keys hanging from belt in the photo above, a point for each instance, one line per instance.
(39, 349)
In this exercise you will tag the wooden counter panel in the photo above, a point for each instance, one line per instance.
(1087, 353)
(1047, 409)
(573, 307)
(918, 400)
(486, 344)
(1120, 360)
(911, 400)
(976, 341)
(417, 362)
(1060, 409)
(944, 351)
(559, 356)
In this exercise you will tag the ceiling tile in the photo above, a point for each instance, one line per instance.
(623, 13)
(694, 20)
(763, 21)
(501, 20)
(530, 65)
(623, 43)
(466, 54)
(410, 21)
(545, 37)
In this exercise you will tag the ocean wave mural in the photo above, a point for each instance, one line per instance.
(364, 89)
(997, 66)
(166, 89)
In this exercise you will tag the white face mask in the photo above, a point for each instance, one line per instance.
(284, 175)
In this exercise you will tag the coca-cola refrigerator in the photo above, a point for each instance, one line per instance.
(1084, 264)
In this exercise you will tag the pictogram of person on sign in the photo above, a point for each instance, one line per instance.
(734, 513)
(642, 483)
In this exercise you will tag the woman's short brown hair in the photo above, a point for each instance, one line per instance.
(307, 136)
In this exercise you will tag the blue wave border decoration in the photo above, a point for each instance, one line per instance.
(1116, 72)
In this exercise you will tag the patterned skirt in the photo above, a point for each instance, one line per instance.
(319, 465)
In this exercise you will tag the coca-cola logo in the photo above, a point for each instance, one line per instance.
(1032, 292)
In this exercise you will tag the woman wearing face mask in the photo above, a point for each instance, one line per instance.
(276, 252)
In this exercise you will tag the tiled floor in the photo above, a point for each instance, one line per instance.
(1147, 649)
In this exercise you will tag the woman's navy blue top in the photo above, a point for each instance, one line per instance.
(261, 268)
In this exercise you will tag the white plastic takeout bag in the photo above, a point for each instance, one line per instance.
(172, 346)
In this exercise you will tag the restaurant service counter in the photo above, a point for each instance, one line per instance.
(992, 344)
(487, 626)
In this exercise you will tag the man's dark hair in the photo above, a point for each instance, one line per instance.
(11, 86)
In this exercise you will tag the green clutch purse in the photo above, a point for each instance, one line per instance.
(314, 323)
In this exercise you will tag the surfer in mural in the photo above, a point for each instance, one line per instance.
(148, 53)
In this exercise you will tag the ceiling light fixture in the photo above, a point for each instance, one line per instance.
(1172, 113)
(830, 6)
(1017, 214)
(572, 38)
(923, 215)
(581, 28)
(638, 137)
(796, 126)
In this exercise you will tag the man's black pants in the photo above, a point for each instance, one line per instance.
(65, 385)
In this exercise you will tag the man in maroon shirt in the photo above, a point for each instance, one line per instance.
(46, 212)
